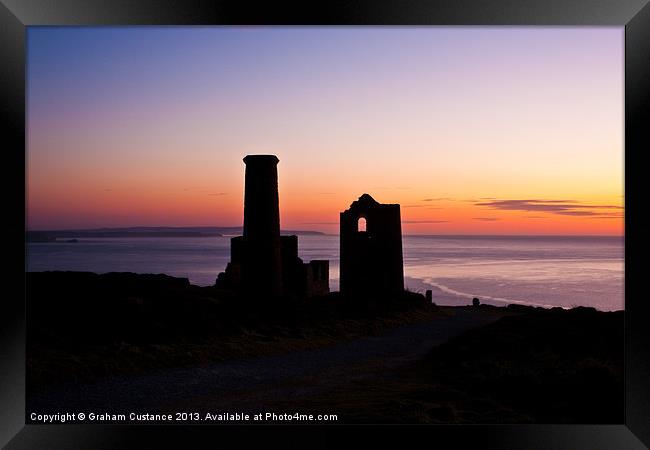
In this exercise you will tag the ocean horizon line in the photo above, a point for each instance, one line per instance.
(237, 227)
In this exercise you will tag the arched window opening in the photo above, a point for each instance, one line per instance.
(361, 225)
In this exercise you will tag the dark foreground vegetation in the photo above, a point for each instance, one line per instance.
(535, 366)
(529, 365)
(82, 325)
(549, 366)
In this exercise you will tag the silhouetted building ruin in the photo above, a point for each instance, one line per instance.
(371, 249)
(263, 263)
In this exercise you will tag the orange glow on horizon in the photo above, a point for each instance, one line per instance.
(310, 208)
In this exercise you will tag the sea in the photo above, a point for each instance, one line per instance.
(547, 271)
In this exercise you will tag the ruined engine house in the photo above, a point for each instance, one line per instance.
(371, 249)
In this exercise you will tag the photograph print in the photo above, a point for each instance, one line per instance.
(324, 225)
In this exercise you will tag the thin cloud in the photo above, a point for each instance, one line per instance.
(561, 207)
(425, 221)
(217, 193)
(436, 199)
(578, 213)
(319, 223)
(412, 206)
(486, 219)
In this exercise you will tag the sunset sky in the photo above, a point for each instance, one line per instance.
(488, 130)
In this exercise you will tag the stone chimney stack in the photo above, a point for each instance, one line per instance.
(262, 271)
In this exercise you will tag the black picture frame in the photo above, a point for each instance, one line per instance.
(634, 15)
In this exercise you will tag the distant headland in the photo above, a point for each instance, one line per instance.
(176, 232)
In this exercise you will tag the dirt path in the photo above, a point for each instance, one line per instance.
(248, 384)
